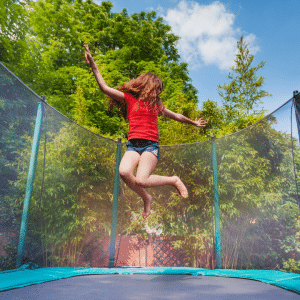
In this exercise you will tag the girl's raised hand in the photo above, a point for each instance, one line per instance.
(200, 123)
(88, 57)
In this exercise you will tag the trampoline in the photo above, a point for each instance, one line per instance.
(69, 229)
(147, 283)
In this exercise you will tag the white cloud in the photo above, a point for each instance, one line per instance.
(208, 35)
(250, 39)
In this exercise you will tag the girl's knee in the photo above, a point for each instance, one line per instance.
(141, 181)
(123, 172)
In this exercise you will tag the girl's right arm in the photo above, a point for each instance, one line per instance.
(110, 92)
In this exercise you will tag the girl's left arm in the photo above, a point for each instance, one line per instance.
(181, 118)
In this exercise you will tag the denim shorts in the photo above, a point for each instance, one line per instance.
(142, 145)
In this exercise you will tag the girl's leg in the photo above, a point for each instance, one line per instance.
(148, 162)
(128, 163)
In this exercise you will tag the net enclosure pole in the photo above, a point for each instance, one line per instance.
(216, 204)
(296, 96)
(30, 181)
(114, 217)
(296, 99)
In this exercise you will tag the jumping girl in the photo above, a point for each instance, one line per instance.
(140, 95)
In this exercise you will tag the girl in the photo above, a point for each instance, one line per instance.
(140, 96)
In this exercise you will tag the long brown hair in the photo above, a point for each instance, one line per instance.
(146, 88)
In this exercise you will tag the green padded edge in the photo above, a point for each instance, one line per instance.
(31, 274)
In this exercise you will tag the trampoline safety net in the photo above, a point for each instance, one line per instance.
(251, 221)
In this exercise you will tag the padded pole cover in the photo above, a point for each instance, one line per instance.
(114, 218)
(216, 202)
(30, 180)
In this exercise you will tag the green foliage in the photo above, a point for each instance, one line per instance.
(292, 266)
(256, 186)
(13, 141)
(123, 47)
(8, 262)
(77, 192)
(13, 17)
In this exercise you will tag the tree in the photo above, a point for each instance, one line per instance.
(242, 95)
(123, 47)
(12, 30)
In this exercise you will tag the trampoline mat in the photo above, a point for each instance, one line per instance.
(141, 286)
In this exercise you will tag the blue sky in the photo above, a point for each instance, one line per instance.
(209, 31)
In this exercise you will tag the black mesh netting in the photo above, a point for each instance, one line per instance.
(70, 219)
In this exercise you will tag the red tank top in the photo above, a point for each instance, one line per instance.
(143, 120)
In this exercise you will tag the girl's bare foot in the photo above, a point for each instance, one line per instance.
(181, 187)
(147, 205)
